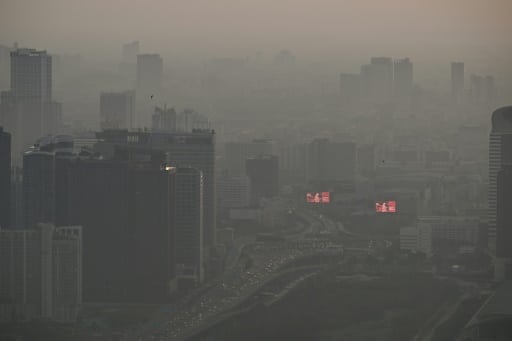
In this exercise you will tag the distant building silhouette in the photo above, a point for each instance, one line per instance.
(27, 108)
(5, 178)
(130, 52)
(500, 154)
(41, 272)
(457, 80)
(117, 110)
(237, 152)
(403, 78)
(189, 225)
(164, 120)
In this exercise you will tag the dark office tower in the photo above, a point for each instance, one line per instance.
(126, 209)
(331, 164)
(32, 112)
(5, 178)
(38, 188)
(500, 154)
(503, 264)
(263, 173)
(41, 273)
(130, 52)
(382, 77)
(237, 152)
(188, 230)
(457, 78)
(117, 110)
(5, 66)
(164, 120)
(149, 71)
(31, 76)
(194, 149)
(350, 88)
(403, 78)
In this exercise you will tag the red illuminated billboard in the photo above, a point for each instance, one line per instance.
(385, 206)
(318, 198)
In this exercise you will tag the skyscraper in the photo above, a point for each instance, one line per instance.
(194, 149)
(377, 79)
(164, 119)
(503, 263)
(31, 112)
(126, 206)
(41, 272)
(457, 79)
(402, 77)
(500, 154)
(5, 177)
(237, 152)
(117, 110)
(188, 231)
(130, 52)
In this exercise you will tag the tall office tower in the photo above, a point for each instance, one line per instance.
(164, 120)
(457, 78)
(194, 149)
(331, 164)
(233, 191)
(263, 173)
(38, 188)
(126, 206)
(350, 88)
(403, 77)
(117, 110)
(377, 79)
(500, 154)
(41, 273)
(188, 120)
(32, 113)
(5, 178)
(237, 152)
(5, 73)
(130, 51)
(188, 232)
(503, 263)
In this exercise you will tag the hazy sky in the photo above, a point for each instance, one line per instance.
(321, 29)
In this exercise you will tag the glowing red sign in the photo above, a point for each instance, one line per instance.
(385, 206)
(318, 198)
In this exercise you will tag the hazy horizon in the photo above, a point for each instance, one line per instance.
(344, 33)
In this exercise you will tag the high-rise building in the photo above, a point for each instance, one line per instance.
(38, 188)
(5, 73)
(263, 173)
(500, 154)
(194, 149)
(130, 51)
(188, 231)
(402, 77)
(503, 263)
(126, 206)
(164, 119)
(237, 152)
(117, 110)
(41, 273)
(233, 191)
(457, 79)
(5, 178)
(28, 110)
